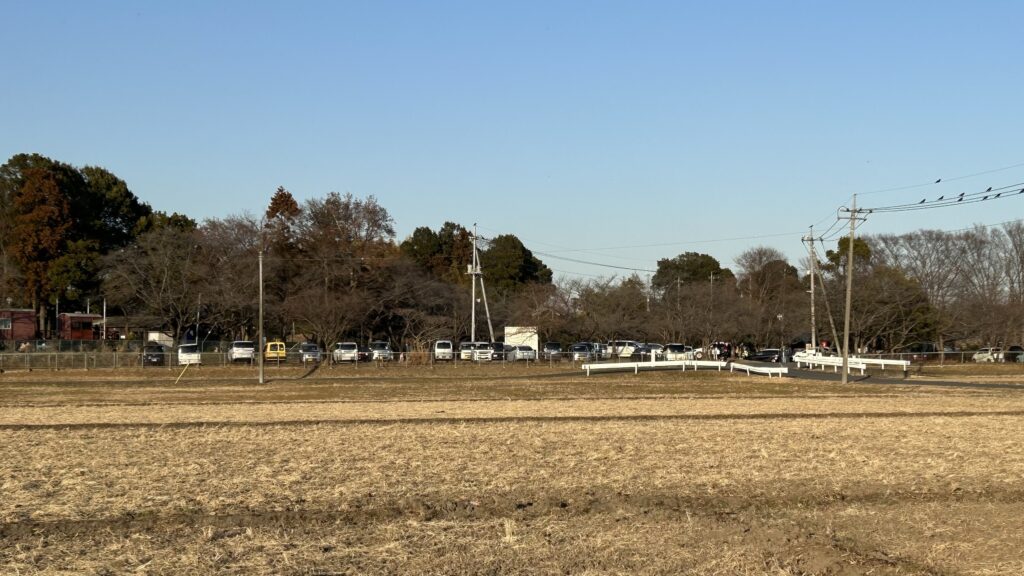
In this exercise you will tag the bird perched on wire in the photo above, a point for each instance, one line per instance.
(922, 201)
(939, 180)
(989, 189)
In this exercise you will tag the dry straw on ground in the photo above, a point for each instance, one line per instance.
(660, 475)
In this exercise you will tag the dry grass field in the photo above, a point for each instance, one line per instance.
(508, 470)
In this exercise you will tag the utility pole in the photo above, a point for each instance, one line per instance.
(259, 332)
(474, 270)
(852, 210)
(813, 262)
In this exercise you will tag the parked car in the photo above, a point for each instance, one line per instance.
(499, 351)
(154, 354)
(581, 352)
(345, 352)
(1013, 353)
(988, 355)
(657, 349)
(622, 348)
(275, 351)
(466, 350)
(677, 351)
(766, 355)
(242, 350)
(601, 351)
(551, 351)
(381, 350)
(483, 352)
(443, 350)
(309, 352)
(189, 354)
(364, 354)
(521, 352)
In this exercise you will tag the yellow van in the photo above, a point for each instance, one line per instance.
(275, 351)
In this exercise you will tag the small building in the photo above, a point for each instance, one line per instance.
(77, 326)
(522, 336)
(17, 324)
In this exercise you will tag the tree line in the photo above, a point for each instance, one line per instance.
(333, 269)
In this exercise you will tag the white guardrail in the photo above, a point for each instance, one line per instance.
(684, 364)
(855, 363)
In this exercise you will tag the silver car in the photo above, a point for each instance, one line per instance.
(345, 352)
(380, 350)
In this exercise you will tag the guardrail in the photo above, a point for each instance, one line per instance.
(656, 365)
(836, 362)
(684, 364)
(779, 371)
(855, 362)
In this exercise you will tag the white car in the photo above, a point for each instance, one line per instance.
(515, 353)
(676, 351)
(444, 350)
(189, 354)
(345, 352)
(483, 351)
(988, 355)
(465, 350)
(622, 348)
(242, 350)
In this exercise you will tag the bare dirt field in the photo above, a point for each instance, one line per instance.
(507, 470)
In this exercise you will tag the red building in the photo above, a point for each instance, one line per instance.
(77, 326)
(17, 324)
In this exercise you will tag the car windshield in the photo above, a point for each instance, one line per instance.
(675, 348)
(444, 345)
(378, 345)
(309, 348)
(346, 346)
(189, 349)
(153, 349)
(245, 345)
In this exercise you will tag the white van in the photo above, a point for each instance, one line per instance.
(444, 350)
(189, 354)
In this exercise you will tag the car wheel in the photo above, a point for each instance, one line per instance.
(699, 355)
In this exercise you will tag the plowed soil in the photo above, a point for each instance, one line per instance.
(504, 470)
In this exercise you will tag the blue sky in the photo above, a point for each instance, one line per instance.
(609, 132)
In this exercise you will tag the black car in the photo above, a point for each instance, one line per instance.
(364, 354)
(551, 351)
(154, 355)
(766, 355)
(1013, 353)
(497, 351)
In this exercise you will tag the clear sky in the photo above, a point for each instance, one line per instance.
(609, 132)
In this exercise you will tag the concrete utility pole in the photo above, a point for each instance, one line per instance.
(852, 210)
(813, 262)
(474, 270)
(259, 331)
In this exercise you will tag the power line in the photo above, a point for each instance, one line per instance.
(955, 200)
(941, 180)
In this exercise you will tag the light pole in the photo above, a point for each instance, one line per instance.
(782, 339)
(259, 331)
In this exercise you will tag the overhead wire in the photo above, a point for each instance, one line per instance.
(941, 180)
(961, 199)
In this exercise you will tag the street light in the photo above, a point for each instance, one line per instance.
(782, 340)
